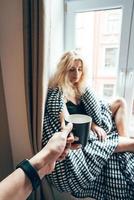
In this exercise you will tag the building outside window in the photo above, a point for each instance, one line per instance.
(108, 90)
(97, 37)
(112, 24)
(111, 57)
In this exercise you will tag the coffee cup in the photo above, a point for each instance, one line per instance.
(81, 127)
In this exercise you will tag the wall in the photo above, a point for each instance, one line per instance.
(5, 147)
(11, 53)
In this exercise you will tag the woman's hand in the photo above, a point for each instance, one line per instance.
(101, 134)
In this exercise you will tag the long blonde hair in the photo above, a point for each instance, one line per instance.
(60, 79)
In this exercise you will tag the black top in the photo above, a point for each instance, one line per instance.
(75, 108)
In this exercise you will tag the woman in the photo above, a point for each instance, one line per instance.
(101, 170)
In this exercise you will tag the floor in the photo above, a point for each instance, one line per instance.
(66, 196)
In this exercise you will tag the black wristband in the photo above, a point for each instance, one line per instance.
(31, 173)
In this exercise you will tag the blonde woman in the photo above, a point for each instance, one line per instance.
(95, 171)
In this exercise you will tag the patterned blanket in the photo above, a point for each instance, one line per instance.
(94, 171)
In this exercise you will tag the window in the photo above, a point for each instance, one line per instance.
(111, 57)
(100, 50)
(103, 32)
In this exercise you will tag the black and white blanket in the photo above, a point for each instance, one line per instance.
(95, 171)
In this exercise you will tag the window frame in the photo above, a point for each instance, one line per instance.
(125, 80)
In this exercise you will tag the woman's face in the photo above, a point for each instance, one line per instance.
(75, 72)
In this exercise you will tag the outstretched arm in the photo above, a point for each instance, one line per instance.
(17, 185)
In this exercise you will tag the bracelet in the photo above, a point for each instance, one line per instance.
(31, 173)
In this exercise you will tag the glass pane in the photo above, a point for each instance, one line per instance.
(97, 37)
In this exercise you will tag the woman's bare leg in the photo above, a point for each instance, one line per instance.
(125, 144)
(119, 112)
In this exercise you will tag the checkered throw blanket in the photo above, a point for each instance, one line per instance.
(94, 171)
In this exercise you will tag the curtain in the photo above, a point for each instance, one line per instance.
(33, 67)
(43, 43)
(36, 74)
